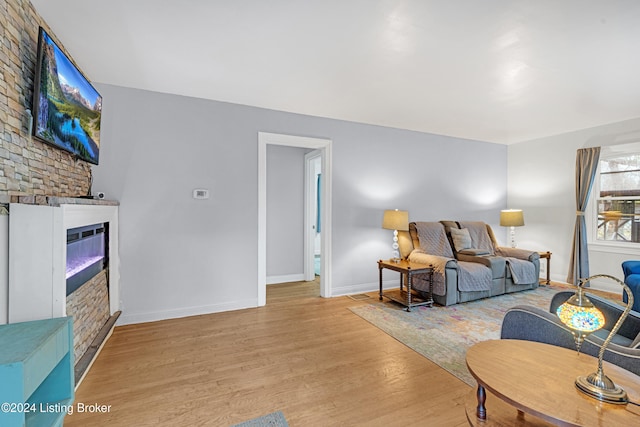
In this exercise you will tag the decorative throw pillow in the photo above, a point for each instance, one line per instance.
(461, 239)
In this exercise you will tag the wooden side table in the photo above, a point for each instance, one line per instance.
(408, 269)
(546, 255)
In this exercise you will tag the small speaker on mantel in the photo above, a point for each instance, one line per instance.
(200, 193)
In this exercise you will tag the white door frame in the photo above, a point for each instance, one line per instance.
(310, 203)
(324, 145)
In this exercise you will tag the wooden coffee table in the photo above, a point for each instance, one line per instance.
(537, 381)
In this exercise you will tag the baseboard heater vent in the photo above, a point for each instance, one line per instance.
(359, 297)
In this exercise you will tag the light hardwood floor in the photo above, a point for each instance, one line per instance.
(309, 357)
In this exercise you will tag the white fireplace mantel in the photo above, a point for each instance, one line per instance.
(38, 256)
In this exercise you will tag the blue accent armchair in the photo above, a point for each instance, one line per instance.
(631, 270)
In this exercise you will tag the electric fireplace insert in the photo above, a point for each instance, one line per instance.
(86, 254)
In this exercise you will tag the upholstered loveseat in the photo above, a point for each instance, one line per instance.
(469, 268)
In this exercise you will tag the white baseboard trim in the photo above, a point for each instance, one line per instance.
(154, 316)
(596, 284)
(557, 278)
(364, 287)
(299, 277)
(606, 286)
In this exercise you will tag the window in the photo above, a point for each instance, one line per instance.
(618, 198)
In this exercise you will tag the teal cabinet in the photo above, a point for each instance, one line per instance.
(36, 372)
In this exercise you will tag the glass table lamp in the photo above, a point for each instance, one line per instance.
(582, 317)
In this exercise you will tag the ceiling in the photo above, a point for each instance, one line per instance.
(501, 71)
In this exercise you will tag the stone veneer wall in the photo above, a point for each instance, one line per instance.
(29, 166)
(89, 306)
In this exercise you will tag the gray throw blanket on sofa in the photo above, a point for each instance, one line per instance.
(433, 239)
(435, 249)
(439, 264)
(522, 270)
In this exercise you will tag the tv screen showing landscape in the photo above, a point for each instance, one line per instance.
(67, 108)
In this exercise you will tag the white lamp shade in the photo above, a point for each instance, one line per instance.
(395, 220)
(511, 218)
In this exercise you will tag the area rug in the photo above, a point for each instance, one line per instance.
(275, 419)
(443, 334)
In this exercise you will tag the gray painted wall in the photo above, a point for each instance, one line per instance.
(285, 213)
(181, 256)
(542, 183)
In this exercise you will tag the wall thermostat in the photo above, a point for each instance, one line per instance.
(200, 193)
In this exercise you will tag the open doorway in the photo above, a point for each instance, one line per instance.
(313, 217)
(323, 146)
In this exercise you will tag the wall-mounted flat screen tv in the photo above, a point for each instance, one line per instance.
(66, 107)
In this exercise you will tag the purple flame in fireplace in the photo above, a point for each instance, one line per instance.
(76, 265)
(86, 249)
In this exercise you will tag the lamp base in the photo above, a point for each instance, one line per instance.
(395, 254)
(513, 237)
(599, 386)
